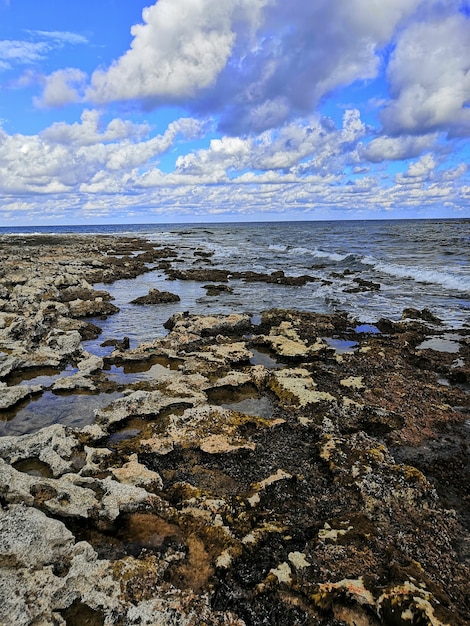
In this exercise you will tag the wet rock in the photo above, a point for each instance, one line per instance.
(200, 274)
(149, 403)
(186, 328)
(123, 344)
(89, 364)
(216, 290)
(52, 445)
(70, 294)
(363, 285)
(74, 383)
(155, 296)
(425, 315)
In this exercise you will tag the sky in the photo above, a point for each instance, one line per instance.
(124, 111)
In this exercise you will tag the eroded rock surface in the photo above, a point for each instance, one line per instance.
(326, 489)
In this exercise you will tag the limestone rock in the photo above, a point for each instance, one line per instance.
(9, 396)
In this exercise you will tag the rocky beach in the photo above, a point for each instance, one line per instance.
(288, 468)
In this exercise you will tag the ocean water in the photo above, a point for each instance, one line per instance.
(417, 263)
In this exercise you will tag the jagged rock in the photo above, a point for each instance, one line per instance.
(90, 364)
(425, 315)
(9, 363)
(76, 381)
(53, 445)
(174, 509)
(155, 296)
(216, 290)
(28, 538)
(9, 396)
(148, 403)
(134, 473)
(92, 308)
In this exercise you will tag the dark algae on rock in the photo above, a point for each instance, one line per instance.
(242, 471)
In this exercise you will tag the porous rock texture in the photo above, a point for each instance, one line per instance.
(322, 489)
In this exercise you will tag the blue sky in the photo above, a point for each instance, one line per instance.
(233, 110)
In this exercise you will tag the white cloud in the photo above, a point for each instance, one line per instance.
(256, 63)
(455, 173)
(66, 157)
(21, 52)
(61, 88)
(60, 37)
(14, 52)
(418, 172)
(396, 148)
(429, 76)
(180, 48)
(88, 132)
(302, 148)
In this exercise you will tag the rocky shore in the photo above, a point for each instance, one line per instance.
(291, 469)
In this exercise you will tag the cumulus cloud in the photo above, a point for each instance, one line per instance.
(419, 171)
(66, 157)
(303, 148)
(87, 132)
(429, 75)
(62, 87)
(256, 63)
(396, 148)
(180, 49)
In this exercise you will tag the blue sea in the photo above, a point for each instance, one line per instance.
(417, 263)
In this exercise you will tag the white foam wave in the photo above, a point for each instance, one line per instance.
(420, 274)
(320, 254)
(277, 248)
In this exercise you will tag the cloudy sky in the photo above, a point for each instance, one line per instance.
(233, 110)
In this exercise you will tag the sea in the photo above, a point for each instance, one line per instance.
(416, 264)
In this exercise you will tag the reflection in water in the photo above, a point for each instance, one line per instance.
(257, 407)
(447, 343)
(342, 346)
(44, 376)
(75, 410)
(263, 357)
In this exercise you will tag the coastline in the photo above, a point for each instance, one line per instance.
(263, 469)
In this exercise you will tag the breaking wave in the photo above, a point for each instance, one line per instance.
(420, 274)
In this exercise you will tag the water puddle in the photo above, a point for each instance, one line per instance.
(135, 429)
(243, 399)
(40, 376)
(125, 375)
(367, 328)
(257, 407)
(74, 410)
(79, 614)
(120, 436)
(263, 357)
(446, 343)
(342, 346)
(33, 467)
